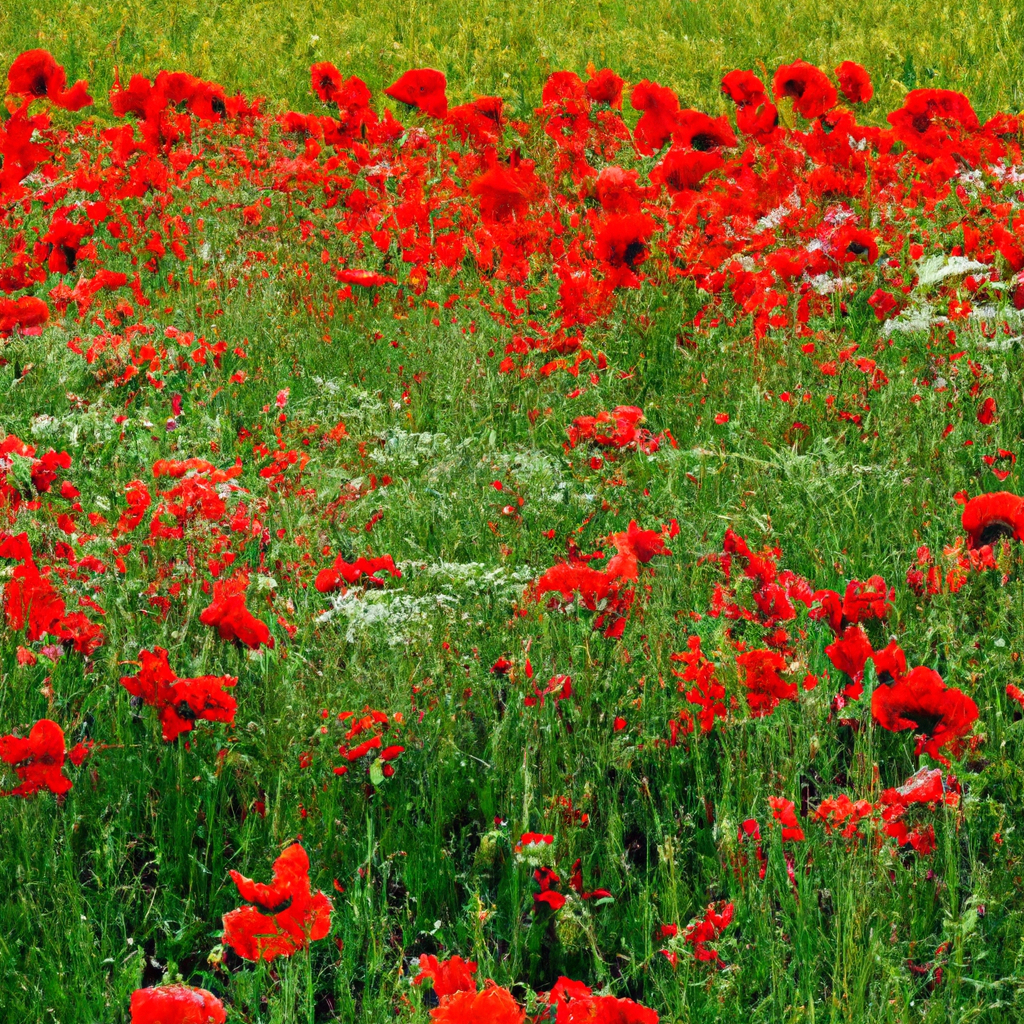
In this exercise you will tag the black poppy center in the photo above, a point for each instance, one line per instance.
(634, 253)
(996, 530)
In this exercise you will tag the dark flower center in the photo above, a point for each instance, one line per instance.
(994, 531)
(635, 251)
(703, 142)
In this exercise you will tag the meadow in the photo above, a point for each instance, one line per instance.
(498, 527)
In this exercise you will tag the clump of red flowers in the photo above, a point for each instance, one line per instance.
(180, 702)
(39, 758)
(286, 916)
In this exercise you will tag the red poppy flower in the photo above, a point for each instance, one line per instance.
(447, 976)
(660, 105)
(854, 82)
(422, 88)
(989, 517)
(286, 917)
(605, 86)
(987, 411)
(696, 130)
(502, 194)
(920, 700)
(228, 614)
(1002, 457)
(181, 702)
(326, 81)
(758, 120)
(809, 88)
(716, 918)
(176, 1004)
(591, 1009)
(493, 1005)
(566, 89)
(744, 88)
(35, 73)
(24, 311)
(759, 673)
(621, 243)
(784, 812)
(39, 759)
(933, 120)
(865, 600)
(31, 603)
(849, 653)
(329, 580)
(682, 169)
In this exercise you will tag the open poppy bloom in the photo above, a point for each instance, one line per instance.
(176, 1004)
(990, 517)
(36, 74)
(286, 916)
(228, 614)
(809, 88)
(920, 700)
(933, 121)
(39, 759)
(494, 1005)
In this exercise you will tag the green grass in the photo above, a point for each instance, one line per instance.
(266, 48)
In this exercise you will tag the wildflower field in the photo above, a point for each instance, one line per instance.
(492, 555)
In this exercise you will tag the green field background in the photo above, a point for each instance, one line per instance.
(486, 47)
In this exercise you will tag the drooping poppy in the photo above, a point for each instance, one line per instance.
(286, 915)
(176, 1004)
(423, 89)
